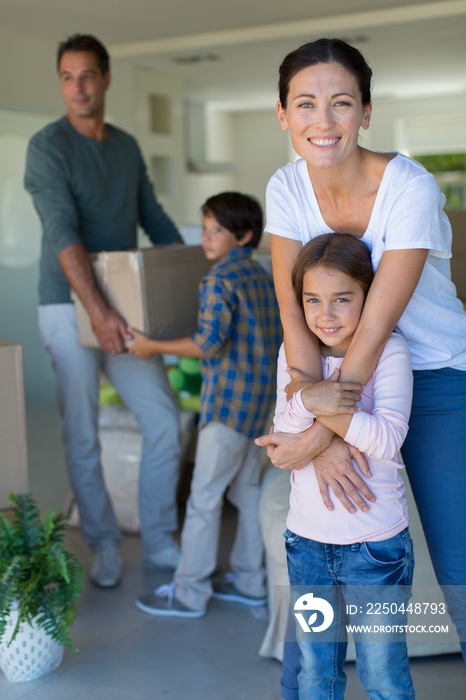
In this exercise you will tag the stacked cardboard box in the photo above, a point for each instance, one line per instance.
(13, 447)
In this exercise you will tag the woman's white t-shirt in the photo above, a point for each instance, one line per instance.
(407, 213)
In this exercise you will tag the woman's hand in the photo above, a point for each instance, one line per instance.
(286, 451)
(334, 467)
(333, 463)
(326, 398)
(294, 450)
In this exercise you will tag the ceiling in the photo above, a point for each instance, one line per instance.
(229, 52)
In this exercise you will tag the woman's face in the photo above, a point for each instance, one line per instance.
(324, 113)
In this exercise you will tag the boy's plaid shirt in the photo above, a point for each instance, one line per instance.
(240, 333)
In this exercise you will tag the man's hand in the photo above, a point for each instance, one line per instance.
(334, 467)
(107, 324)
(110, 330)
(329, 397)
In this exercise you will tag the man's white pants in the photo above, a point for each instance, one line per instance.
(143, 386)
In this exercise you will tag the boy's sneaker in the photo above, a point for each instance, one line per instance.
(225, 589)
(163, 602)
(106, 567)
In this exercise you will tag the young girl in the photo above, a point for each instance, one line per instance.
(349, 555)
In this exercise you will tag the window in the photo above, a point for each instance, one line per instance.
(450, 172)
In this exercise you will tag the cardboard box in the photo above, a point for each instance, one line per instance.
(154, 289)
(13, 447)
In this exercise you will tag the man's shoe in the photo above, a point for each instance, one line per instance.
(163, 602)
(106, 567)
(225, 589)
(166, 558)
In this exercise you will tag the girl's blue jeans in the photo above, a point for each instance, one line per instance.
(346, 575)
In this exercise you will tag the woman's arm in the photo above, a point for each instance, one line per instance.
(380, 428)
(396, 279)
(293, 451)
(394, 283)
(301, 346)
(288, 442)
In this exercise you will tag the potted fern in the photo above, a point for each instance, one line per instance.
(40, 584)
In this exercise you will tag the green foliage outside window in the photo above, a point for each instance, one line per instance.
(449, 170)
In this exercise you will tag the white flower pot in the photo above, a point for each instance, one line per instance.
(31, 654)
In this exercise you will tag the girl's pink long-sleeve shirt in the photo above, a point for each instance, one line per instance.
(378, 430)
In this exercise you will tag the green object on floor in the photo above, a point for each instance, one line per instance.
(185, 380)
(108, 395)
(189, 403)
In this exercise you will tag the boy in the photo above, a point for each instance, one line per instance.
(237, 340)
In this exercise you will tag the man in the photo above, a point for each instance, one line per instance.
(89, 185)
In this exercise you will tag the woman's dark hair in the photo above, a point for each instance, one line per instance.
(325, 51)
(238, 213)
(85, 42)
(340, 251)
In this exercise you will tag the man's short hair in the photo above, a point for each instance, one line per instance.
(85, 42)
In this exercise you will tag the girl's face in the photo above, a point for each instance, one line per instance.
(324, 114)
(333, 303)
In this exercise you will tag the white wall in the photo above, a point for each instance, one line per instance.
(253, 146)
(27, 74)
(201, 186)
(261, 148)
(386, 115)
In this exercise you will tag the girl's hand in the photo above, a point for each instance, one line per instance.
(298, 380)
(141, 345)
(334, 467)
(328, 397)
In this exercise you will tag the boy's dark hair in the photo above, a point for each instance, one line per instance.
(85, 42)
(340, 251)
(238, 213)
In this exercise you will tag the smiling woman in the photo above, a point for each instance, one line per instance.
(324, 113)
(395, 206)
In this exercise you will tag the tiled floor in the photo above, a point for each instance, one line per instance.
(127, 655)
